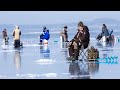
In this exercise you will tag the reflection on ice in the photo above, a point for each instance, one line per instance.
(80, 70)
(50, 75)
(45, 61)
(77, 71)
(34, 76)
(64, 44)
(93, 67)
(105, 44)
(45, 51)
(17, 60)
(74, 68)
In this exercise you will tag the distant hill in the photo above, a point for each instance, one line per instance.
(105, 21)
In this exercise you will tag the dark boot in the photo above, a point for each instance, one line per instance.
(71, 53)
(76, 54)
(70, 58)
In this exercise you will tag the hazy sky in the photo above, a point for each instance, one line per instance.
(52, 17)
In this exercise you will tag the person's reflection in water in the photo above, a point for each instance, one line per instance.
(41, 48)
(45, 51)
(105, 44)
(66, 53)
(65, 45)
(110, 44)
(17, 60)
(74, 68)
(93, 67)
(5, 56)
(77, 71)
(65, 48)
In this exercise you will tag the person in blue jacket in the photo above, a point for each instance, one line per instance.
(45, 34)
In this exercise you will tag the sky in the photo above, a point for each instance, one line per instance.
(53, 17)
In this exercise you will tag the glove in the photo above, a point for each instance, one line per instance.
(69, 44)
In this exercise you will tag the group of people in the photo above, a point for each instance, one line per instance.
(17, 33)
(80, 40)
(16, 37)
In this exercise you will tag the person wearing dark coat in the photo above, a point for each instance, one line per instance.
(81, 39)
(105, 31)
(5, 36)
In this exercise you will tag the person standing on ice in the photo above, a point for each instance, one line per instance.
(64, 34)
(5, 36)
(16, 35)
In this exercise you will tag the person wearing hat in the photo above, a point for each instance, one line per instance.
(5, 36)
(45, 35)
(82, 38)
(105, 32)
(64, 34)
(16, 35)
